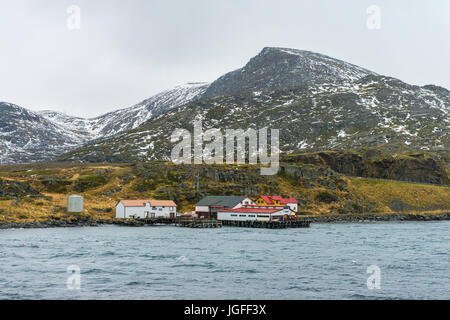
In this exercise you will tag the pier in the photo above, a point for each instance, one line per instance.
(211, 223)
(268, 224)
(185, 222)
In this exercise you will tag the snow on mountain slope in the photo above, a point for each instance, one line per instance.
(82, 126)
(318, 103)
(375, 111)
(275, 68)
(27, 136)
(130, 118)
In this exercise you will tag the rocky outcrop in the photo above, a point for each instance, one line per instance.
(419, 167)
(16, 190)
(378, 217)
(275, 68)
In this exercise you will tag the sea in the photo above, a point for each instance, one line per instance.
(373, 260)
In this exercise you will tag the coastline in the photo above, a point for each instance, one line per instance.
(348, 218)
(345, 218)
(55, 224)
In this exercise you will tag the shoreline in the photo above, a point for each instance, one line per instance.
(55, 224)
(347, 218)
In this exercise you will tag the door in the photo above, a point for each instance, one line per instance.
(172, 215)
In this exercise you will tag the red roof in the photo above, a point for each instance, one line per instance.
(264, 205)
(269, 199)
(134, 203)
(153, 203)
(251, 210)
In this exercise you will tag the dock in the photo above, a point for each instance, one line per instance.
(268, 224)
(185, 222)
(211, 223)
(198, 223)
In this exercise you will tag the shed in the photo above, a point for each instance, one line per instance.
(75, 203)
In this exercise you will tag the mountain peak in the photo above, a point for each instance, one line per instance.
(275, 68)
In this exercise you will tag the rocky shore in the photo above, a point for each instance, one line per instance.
(55, 224)
(378, 217)
(314, 219)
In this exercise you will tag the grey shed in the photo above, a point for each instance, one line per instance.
(75, 203)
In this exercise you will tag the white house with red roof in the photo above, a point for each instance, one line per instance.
(272, 200)
(146, 209)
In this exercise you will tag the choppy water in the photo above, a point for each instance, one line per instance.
(326, 261)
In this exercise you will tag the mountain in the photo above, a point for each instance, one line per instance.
(277, 68)
(129, 118)
(317, 102)
(28, 136)
(375, 111)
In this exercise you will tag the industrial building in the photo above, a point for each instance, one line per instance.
(209, 206)
(253, 214)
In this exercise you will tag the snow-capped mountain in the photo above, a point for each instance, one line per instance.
(373, 112)
(276, 68)
(27, 136)
(317, 102)
(129, 118)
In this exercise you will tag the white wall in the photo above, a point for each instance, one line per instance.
(201, 208)
(293, 206)
(245, 216)
(163, 212)
(246, 201)
(120, 212)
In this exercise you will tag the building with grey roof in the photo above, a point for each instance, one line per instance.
(208, 206)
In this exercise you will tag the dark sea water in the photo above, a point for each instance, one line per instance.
(326, 261)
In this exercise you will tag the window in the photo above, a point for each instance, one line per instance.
(234, 215)
(242, 215)
(251, 215)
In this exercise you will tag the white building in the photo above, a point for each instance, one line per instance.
(210, 205)
(146, 209)
(253, 214)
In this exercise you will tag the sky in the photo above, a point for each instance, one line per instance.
(116, 53)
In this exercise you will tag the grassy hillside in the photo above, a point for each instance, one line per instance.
(39, 192)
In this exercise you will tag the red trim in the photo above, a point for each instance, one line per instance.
(251, 210)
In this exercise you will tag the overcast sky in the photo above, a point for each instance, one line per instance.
(127, 51)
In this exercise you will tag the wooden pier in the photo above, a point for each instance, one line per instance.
(210, 223)
(198, 223)
(268, 224)
(185, 222)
